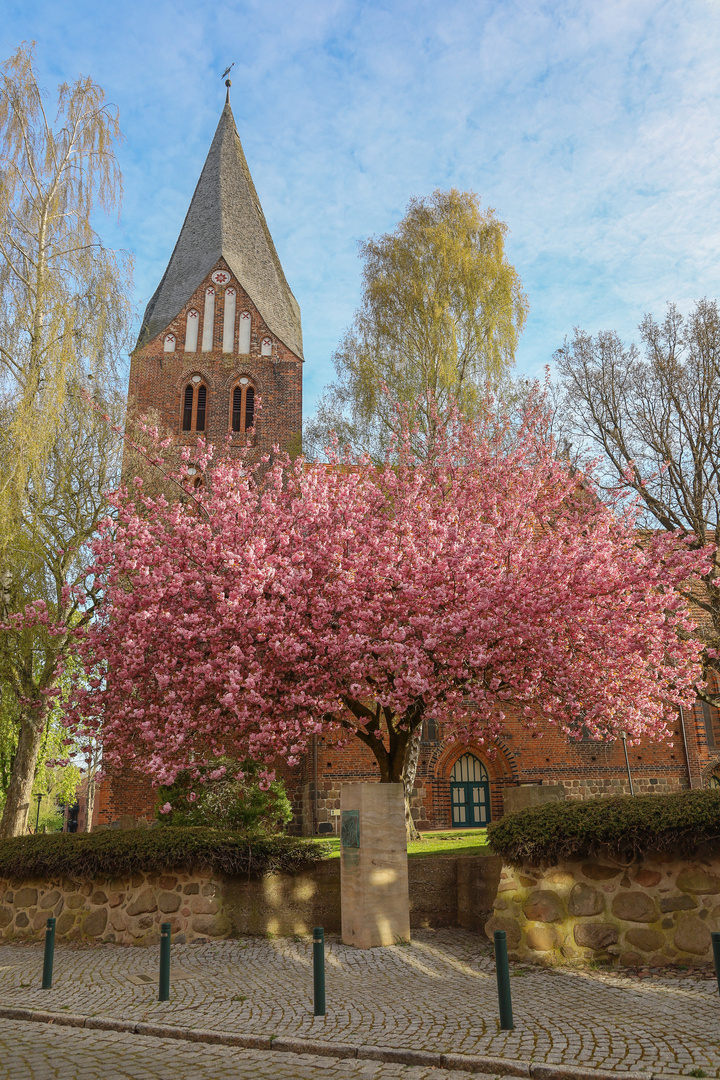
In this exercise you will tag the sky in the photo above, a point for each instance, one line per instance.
(592, 129)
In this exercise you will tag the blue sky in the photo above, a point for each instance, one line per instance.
(592, 129)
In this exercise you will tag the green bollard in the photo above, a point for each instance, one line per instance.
(716, 954)
(319, 971)
(164, 994)
(49, 954)
(502, 971)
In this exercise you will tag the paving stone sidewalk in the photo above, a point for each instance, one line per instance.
(436, 994)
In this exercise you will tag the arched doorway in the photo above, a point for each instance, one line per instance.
(715, 781)
(469, 793)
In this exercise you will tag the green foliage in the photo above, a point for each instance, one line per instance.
(441, 314)
(624, 826)
(225, 803)
(115, 853)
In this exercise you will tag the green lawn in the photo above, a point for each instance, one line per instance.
(454, 842)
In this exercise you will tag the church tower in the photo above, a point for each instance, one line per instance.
(222, 330)
(221, 333)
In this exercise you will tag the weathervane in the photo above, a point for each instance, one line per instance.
(228, 83)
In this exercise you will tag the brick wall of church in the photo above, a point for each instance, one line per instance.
(585, 769)
(158, 378)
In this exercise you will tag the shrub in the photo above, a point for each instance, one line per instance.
(623, 825)
(116, 853)
(225, 803)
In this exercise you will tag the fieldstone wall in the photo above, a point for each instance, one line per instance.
(650, 913)
(129, 910)
(125, 910)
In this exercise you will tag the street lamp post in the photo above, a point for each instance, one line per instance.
(37, 819)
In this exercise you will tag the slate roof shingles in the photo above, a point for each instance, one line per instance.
(225, 220)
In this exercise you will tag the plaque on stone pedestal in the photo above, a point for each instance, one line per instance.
(373, 865)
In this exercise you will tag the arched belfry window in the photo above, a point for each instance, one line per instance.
(469, 793)
(242, 405)
(194, 405)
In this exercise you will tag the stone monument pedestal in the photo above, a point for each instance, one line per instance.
(373, 865)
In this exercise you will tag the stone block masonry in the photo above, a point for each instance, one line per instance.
(206, 906)
(655, 912)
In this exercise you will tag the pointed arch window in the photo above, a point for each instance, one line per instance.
(194, 405)
(469, 793)
(242, 406)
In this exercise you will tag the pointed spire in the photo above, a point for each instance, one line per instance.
(225, 220)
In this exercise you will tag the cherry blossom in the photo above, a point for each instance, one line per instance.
(477, 578)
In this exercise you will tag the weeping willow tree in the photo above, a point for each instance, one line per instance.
(441, 314)
(64, 316)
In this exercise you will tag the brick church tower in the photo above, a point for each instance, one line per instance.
(222, 330)
(220, 336)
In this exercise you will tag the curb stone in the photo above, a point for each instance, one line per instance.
(470, 1063)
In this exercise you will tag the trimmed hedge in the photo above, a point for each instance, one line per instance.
(116, 853)
(622, 825)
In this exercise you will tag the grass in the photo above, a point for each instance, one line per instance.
(454, 842)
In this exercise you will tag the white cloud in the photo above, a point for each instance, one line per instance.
(592, 128)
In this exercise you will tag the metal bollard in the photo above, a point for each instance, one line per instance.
(319, 971)
(715, 935)
(49, 954)
(164, 993)
(503, 981)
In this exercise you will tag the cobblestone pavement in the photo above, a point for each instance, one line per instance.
(40, 1051)
(437, 994)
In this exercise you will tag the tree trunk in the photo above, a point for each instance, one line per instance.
(22, 777)
(412, 755)
(90, 804)
(398, 760)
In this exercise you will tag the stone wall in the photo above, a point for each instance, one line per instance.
(654, 912)
(525, 795)
(443, 892)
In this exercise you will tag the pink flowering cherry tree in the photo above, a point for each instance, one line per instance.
(346, 599)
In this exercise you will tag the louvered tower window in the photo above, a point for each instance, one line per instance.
(242, 406)
(194, 405)
(188, 408)
(237, 409)
(201, 404)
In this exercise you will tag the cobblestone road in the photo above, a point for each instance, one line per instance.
(436, 994)
(40, 1052)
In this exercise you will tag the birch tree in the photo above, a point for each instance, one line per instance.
(441, 313)
(63, 324)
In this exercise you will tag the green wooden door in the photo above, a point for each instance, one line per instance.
(469, 793)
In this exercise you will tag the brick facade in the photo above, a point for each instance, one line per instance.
(585, 769)
(158, 379)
